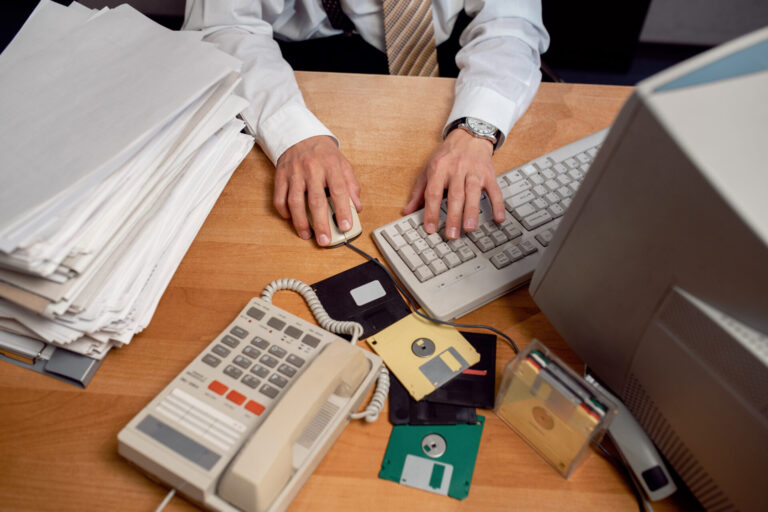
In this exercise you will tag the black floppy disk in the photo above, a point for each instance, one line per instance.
(364, 294)
(455, 401)
(474, 387)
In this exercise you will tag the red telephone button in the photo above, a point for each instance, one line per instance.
(236, 397)
(255, 407)
(217, 387)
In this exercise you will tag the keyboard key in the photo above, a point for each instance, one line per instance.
(239, 332)
(428, 256)
(523, 211)
(420, 245)
(251, 381)
(576, 174)
(527, 247)
(537, 219)
(438, 267)
(268, 360)
(295, 360)
(556, 210)
(549, 174)
(434, 239)
(211, 360)
(529, 169)
(254, 407)
(260, 342)
(230, 341)
(564, 179)
(552, 185)
(217, 387)
(423, 273)
(288, 371)
(514, 253)
(513, 176)
(410, 257)
(571, 162)
(234, 396)
(545, 237)
(442, 249)
(276, 323)
(455, 245)
(452, 260)
(269, 391)
(538, 179)
(411, 236)
(220, 350)
(255, 313)
(233, 371)
(540, 203)
(278, 380)
(583, 158)
(465, 253)
(512, 231)
(498, 238)
(485, 244)
(395, 240)
(565, 191)
(518, 186)
(260, 371)
(552, 197)
(293, 332)
(242, 362)
(516, 200)
(560, 168)
(500, 260)
(310, 340)
(277, 351)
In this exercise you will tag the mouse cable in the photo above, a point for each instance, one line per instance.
(621, 467)
(354, 329)
(415, 309)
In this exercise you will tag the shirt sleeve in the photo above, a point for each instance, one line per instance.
(499, 61)
(277, 116)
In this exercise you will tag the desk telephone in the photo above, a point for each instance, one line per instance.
(246, 422)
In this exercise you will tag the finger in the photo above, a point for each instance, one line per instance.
(353, 187)
(298, 209)
(318, 208)
(433, 197)
(455, 207)
(417, 195)
(280, 195)
(472, 191)
(497, 201)
(340, 197)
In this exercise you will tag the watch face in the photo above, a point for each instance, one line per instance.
(481, 127)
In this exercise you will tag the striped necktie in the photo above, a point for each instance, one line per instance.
(410, 37)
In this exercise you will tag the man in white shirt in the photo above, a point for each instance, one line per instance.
(499, 75)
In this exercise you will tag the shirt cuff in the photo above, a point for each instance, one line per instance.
(283, 129)
(484, 104)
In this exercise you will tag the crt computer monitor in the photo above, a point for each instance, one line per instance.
(658, 274)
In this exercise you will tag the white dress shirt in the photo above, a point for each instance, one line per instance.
(498, 62)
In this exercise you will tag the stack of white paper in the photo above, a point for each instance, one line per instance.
(116, 138)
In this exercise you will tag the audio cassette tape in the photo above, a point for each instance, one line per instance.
(553, 409)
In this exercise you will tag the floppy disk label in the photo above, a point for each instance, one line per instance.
(366, 293)
(426, 474)
(423, 355)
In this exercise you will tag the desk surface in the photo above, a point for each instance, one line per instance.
(58, 443)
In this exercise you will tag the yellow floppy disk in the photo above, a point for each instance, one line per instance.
(422, 354)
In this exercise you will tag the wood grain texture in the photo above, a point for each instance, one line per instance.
(58, 444)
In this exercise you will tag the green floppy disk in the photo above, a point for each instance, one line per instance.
(434, 458)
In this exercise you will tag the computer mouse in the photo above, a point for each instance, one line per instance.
(337, 236)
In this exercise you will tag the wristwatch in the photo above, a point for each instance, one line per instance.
(478, 128)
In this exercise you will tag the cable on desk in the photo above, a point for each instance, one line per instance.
(415, 309)
(371, 412)
(642, 503)
(165, 501)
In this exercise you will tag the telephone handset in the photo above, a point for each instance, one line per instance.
(243, 426)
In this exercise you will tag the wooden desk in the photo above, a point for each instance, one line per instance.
(58, 443)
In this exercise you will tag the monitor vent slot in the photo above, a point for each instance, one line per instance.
(658, 429)
(742, 369)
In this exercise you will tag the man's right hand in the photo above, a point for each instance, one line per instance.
(302, 174)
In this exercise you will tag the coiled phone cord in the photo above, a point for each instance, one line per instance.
(371, 412)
